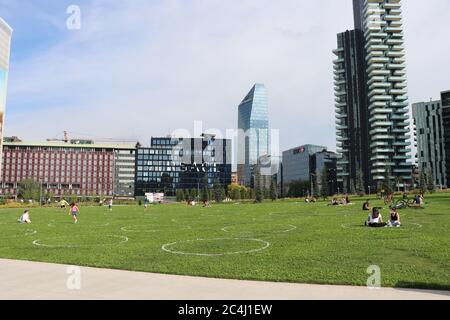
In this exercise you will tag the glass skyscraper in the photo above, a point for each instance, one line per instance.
(5, 45)
(253, 137)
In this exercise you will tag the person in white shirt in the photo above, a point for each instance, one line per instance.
(25, 217)
(375, 220)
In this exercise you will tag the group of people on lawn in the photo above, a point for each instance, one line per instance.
(375, 219)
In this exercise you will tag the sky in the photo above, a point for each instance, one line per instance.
(142, 68)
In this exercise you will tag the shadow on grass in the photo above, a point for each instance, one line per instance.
(411, 286)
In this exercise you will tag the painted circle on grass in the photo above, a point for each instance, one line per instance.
(78, 242)
(153, 228)
(28, 232)
(216, 247)
(277, 228)
(355, 226)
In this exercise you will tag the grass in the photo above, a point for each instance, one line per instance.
(309, 243)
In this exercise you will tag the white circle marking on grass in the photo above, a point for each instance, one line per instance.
(39, 244)
(152, 229)
(104, 225)
(289, 229)
(266, 245)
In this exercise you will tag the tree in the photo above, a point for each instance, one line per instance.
(360, 188)
(273, 190)
(29, 189)
(387, 182)
(234, 191)
(315, 186)
(180, 195)
(324, 192)
(187, 196)
(259, 196)
(431, 186)
(218, 192)
(297, 189)
(422, 182)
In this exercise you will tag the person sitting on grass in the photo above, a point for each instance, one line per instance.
(395, 219)
(366, 206)
(375, 219)
(74, 211)
(334, 202)
(347, 200)
(25, 217)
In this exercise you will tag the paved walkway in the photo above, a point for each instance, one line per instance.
(42, 281)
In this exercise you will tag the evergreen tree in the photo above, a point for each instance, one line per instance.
(315, 186)
(259, 196)
(352, 186)
(387, 183)
(273, 190)
(218, 192)
(431, 186)
(324, 192)
(360, 188)
(179, 195)
(187, 196)
(422, 182)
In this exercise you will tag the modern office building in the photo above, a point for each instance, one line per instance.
(5, 46)
(445, 102)
(352, 123)
(125, 168)
(253, 137)
(63, 169)
(300, 164)
(429, 137)
(380, 22)
(171, 164)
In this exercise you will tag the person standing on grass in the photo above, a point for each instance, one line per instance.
(74, 211)
(146, 203)
(110, 204)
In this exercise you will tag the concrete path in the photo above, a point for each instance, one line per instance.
(43, 281)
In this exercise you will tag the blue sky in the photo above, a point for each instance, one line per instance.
(142, 68)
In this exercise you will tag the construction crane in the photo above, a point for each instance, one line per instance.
(66, 139)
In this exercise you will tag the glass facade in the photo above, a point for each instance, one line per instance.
(445, 99)
(352, 124)
(299, 164)
(253, 124)
(5, 45)
(170, 164)
(429, 137)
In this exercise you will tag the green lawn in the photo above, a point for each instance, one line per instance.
(282, 241)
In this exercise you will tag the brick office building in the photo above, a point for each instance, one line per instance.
(62, 168)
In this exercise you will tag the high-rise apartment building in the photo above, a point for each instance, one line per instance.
(429, 137)
(253, 136)
(351, 109)
(5, 45)
(445, 100)
(387, 90)
(386, 103)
